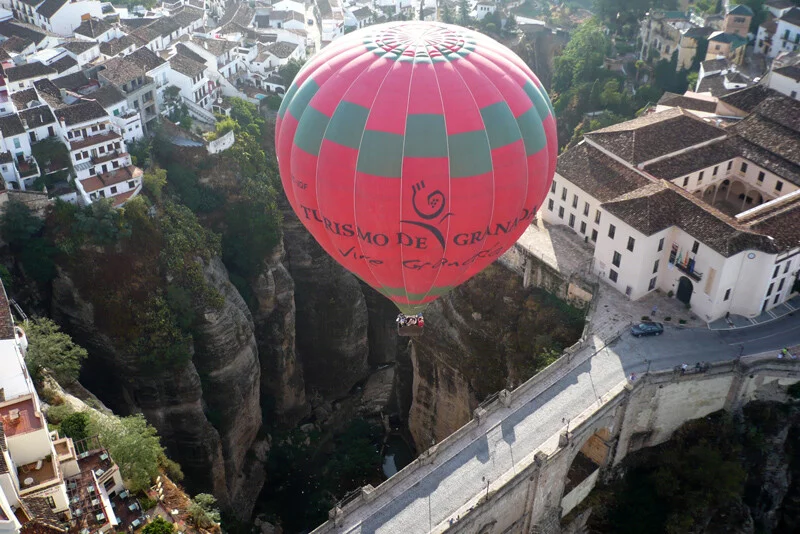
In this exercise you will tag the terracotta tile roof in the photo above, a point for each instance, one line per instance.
(50, 92)
(36, 117)
(790, 71)
(40, 512)
(72, 82)
(238, 13)
(114, 177)
(15, 44)
(3, 444)
(78, 46)
(81, 112)
(145, 58)
(187, 16)
(792, 16)
(772, 127)
(658, 206)
(217, 47)
(694, 160)
(185, 51)
(186, 66)
(748, 98)
(37, 69)
(282, 49)
(654, 135)
(93, 28)
(782, 224)
(22, 98)
(50, 7)
(596, 173)
(686, 102)
(24, 31)
(63, 64)
(116, 45)
(11, 125)
(107, 96)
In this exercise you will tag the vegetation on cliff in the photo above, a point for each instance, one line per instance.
(716, 474)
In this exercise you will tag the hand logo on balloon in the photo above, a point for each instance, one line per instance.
(436, 203)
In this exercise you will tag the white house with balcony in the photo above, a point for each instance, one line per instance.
(673, 203)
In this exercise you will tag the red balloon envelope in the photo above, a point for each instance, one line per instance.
(416, 153)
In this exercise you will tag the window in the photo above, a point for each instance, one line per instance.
(780, 286)
(586, 208)
(743, 168)
(776, 271)
(730, 164)
(770, 288)
(612, 275)
(51, 502)
(572, 220)
(91, 171)
(114, 190)
(78, 156)
(727, 294)
(617, 259)
(652, 285)
(109, 484)
(695, 247)
(786, 267)
(700, 178)
(561, 212)
(631, 243)
(778, 185)
(685, 181)
(597, 217)
(563, 193)
(583, 227)
(115, 164)
(102, 150)
(612, 230)
(550, 204)
(574, 201)
(16, 143)
(553, 187)
(95, 128)
(761, 177)
(661, 244)
(715, 170)
(131, 184)
(777, 297)
(594, 235)
(655, 266)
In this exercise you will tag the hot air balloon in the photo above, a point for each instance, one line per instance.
(416, 153)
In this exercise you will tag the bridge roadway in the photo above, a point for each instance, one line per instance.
(437, 491)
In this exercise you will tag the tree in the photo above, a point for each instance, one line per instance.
(203, 511)
(159, 525)
(75, 426)
(19, 225)
(511, 24)
(446, 14)
(464, 10)
(289, 71)
(154, 181)
(691, 79)
(133, 444)
(582, 57)
(51, 349)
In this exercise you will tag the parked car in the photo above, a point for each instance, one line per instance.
(310, 22)
(647, 329)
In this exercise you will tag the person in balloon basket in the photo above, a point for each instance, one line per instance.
(415, 320)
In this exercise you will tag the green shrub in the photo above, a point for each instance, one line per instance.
(56, 414)
(159, 525)
(51, 349)
(76, 426)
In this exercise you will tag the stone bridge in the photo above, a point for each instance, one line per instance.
(531, 455)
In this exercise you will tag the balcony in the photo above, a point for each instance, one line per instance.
(36, 475)
(689, 271)
(80, 144)
(108, 156)
(27, 168)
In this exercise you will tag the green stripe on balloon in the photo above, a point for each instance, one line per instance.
(302, 98)
(470, 154)
(310, 130)
(347, 124)
(426, 136)
(381, 154)
(539, 99)
(533, 133)
(500, 124)
(287, 99)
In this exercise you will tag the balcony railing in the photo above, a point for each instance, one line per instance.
(690, 272)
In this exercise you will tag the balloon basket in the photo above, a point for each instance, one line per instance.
(410, 330)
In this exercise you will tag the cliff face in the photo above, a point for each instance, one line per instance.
(331, 316)
(206, 410)
(282, 383)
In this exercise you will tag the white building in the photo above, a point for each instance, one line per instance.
(359, 18)
(484, 8)
(44, 477)
(61, 17)
(779, 33)
(673, 203)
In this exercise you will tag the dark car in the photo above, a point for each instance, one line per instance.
(647, 329)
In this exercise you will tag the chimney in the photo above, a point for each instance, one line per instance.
(205, 45)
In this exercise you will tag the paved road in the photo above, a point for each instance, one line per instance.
(437, 491)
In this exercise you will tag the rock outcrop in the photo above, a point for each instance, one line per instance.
(331, 315)
(282, 383)
(206, 410)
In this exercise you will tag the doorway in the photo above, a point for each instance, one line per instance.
(685, 288)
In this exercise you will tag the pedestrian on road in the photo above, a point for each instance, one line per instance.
(653, 311)
(684, 367)
(632, 378)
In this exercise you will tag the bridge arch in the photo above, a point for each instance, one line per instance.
(594, 454)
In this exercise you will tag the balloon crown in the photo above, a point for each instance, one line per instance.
(410, 41)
